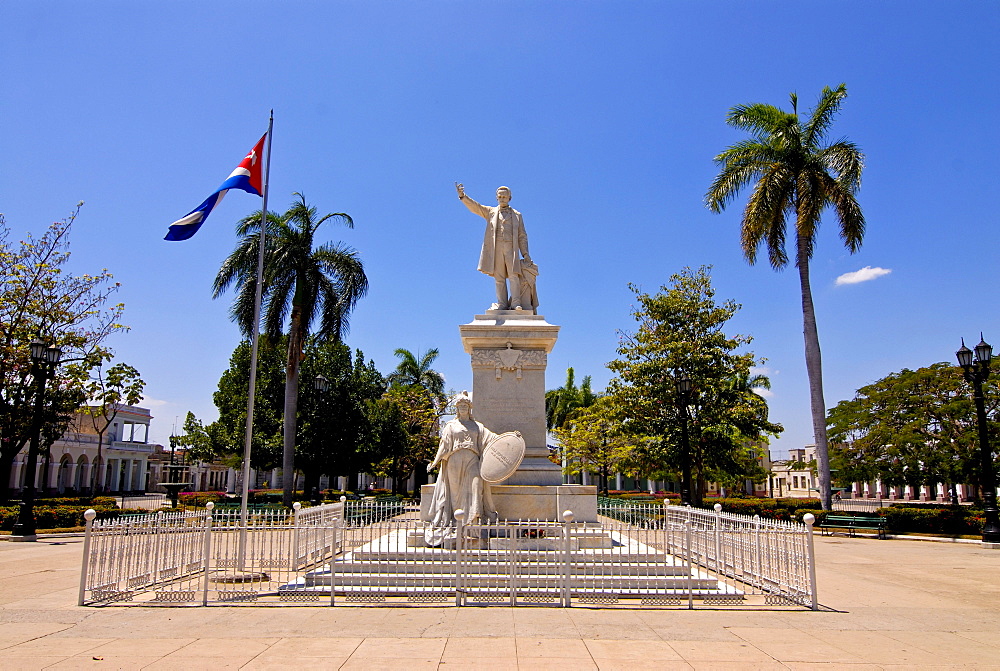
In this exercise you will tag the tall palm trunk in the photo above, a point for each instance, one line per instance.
(814, 369)
(295, 342)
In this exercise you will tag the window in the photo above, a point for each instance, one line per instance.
(133, 432)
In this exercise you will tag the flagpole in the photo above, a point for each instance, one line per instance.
(262, 236)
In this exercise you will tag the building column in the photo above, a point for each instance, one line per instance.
(618, 481)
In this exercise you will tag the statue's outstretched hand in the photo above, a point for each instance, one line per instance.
(461, 189)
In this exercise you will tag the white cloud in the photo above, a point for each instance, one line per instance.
(762, 370)
(865, 274)
(152, 402)
(766, 393)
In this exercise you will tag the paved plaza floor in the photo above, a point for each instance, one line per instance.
(890, 604)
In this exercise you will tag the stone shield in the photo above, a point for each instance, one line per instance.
(501, 457)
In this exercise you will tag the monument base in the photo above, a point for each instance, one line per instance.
(531, 502)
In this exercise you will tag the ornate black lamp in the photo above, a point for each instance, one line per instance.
(976, 370)
(44, 359)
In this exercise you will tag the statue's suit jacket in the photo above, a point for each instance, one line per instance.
(492, 217)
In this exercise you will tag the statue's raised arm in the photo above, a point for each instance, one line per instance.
(504, 255)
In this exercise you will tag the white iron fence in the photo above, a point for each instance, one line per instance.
(376, 552)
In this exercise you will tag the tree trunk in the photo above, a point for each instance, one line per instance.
(295, 337)
(814, 369)
(419, 478)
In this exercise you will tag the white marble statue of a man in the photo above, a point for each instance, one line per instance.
(504, 256)
(459, 484)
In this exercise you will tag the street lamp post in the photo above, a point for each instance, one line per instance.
(322, 386)
(976, 371)
(683, 383)
(43, 362)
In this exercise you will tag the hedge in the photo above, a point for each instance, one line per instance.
(778, 509)
(57, 517)
(199, 499)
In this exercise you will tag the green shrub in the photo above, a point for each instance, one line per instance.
(777, 509)
(56, 517)
(948, 520)
(199, 499)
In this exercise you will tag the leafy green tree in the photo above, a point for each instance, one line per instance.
(563, 402)
(592, 440)
(914, 427)
(106, 392)
(197, 440)
(681, 331)
(415, 370)
(229, 431)
(39, 297)
(334, 426)
(302, 283)
(406, 428)
(796, 173)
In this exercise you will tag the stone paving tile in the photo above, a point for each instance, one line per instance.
(147, 647)
(400, 648)
(876, 647)
(475, 664)
(807, 650)
(290, 648)
(483, 648)
(719, 651)
(831, 666)
(30, 663)
(742, 666)
(551, 648)
(951, 648)
(987, 637)
(178, 662)
(356, 663)
(65, 646)
(694, 633)
(623, 650)
(13, 633)
(261, 663)
(224, 647)
(553, 664)
(655, 665)
(117, 662)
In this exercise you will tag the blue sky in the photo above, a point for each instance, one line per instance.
(602, 117)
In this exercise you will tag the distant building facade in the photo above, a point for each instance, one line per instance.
(71, 464)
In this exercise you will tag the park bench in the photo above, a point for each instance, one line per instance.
(854, 522)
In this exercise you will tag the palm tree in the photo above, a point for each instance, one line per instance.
(415, 370)
(301, 284)
(562, 403)
(795, 173)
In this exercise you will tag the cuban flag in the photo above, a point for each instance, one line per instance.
(246, 177)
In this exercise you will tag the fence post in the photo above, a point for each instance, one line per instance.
(89, 516)
(294, 559)
(338, 532)
(207, 552)
(758, 568)
(810, 519)
(690, 566)
(459, 543)
(157, 546)
(568, 517)
(718, 534)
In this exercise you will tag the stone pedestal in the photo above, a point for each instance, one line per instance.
(532, 502)
(509, 351)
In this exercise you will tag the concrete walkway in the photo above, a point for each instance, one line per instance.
(887, 604)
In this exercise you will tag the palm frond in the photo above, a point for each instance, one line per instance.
(822, 115)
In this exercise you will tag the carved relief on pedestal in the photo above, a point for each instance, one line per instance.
(509, 359)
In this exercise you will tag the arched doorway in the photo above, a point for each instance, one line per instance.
(64, 480)
(81, 479)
